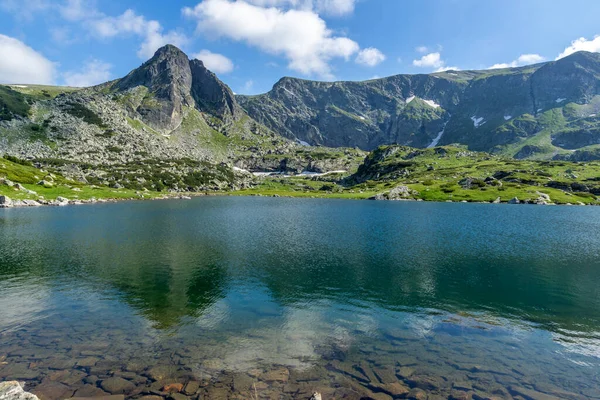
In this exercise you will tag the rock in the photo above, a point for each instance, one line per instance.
(191, 387)
(177, 396)
(242, 382)
(52, 391)
(6, 182)
(497, 201)
(417, 394)
(90, 391)
(514, 200)
(530, 394)
(117, 385)
(12, 390)
(395, 389)
(173, 388)
(5, 202)
(31, 203)
(107, 397)
(45, 184)
(277, 375)
(316, 396)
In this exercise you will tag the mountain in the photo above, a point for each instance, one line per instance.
(547, 110)
(171, 123)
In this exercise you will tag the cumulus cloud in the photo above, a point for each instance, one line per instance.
(523, 59)
(328, 7)
(431, 60)
(21, 64)
(582, 44)
(217, 63)
(301, 36)
(370, 57)
(93, 73)
(130, 23)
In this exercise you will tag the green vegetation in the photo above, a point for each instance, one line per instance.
(448, 173)
(80, 111)
(23, 173)
(12, 103)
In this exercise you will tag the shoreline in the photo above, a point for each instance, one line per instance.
(20, 204)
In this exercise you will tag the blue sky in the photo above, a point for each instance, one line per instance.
(251, 44)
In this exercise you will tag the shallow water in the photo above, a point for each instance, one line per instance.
(277, 298)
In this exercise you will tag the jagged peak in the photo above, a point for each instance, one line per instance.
(169, 50)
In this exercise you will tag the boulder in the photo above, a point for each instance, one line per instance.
(12, 390)
(45, 183)
(514, 200)
(117, 385)
(5, 202)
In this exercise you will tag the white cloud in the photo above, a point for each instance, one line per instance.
(248, 86)
(93, 73)
(300, 36)
(447, 68)
(523, 59)
(328, 7)
(422, 49)
(78, 10)
(25, 9)
(431, 60)
(21, 64)
(217, 63)
(370, 57)
(130, 23)
(582, 44)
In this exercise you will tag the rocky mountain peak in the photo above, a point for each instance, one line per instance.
(170, 82)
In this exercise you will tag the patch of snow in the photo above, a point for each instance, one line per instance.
(165, 135)
(303, 143)
(477, 122)
(432, 103)
(560, 100)
(362, 118)
(438, 137)
(289, 91)
(19, 86)
(266, 173)
(240, 169)
(309, 173)
(411, 98)
(507, 117)
(592, 115)
(539, 109)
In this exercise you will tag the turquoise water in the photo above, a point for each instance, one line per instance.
(276, 298)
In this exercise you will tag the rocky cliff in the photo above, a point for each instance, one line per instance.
(543, 111)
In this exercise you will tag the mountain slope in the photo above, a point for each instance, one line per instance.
(515, 111)
(169, 118)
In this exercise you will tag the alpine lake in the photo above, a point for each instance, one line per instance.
(276, 298)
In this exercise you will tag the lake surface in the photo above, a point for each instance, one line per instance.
(242, 297)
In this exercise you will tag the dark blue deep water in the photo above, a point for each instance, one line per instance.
(276, 298)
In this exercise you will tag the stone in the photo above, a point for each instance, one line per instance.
(173, 388)
(405, 372)
(416, 394)
(88, 361)
(5, 202)
(531, 394)
(52, 391)
(160, 372)
(316, 396)
(395, 389)
(242, 382)
(90, 391)
(12, 390)
(191, 387)
(277, 375)
(514, 200)
(107, 397)
(116, 385)
(177, 396)
(45, 183)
